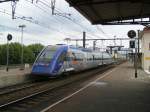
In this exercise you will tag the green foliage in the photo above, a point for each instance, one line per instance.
(34, 50)
(15, 53)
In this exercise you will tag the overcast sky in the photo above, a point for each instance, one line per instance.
(53, 29)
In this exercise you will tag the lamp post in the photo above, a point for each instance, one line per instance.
(67, 40)
(22, 50)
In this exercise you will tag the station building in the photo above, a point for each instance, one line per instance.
(145, 49)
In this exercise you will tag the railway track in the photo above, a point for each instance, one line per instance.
(25, 99)
(11, 89)
(29, 84)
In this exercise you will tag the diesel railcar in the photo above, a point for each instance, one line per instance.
(54, 60)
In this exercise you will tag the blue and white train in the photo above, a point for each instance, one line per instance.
(57, 59)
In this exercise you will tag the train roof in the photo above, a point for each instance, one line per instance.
(74, 47)
(80, 48)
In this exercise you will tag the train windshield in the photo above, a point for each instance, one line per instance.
(47, 55)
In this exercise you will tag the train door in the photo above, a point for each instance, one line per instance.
(81, 61)
(60, 62)
(67, 63)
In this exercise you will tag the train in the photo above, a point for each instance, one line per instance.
(55, 60)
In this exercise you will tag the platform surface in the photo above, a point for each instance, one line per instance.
(15, 71)
(13, 76)
(117, 91)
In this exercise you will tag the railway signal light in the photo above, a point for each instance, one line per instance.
(132, 44)
(9, 38)
(131, 34)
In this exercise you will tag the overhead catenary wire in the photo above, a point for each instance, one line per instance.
(46, 12)
(11, 28)
(8, 27)
(72, 20)
(32, 21)
(41, 7)
(92, 35)
(100, 29)
(58, 12)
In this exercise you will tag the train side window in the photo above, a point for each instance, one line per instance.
(74, 57)
(67, 57)
(62, 57)
(93, 57)
(78, 56)
(81, 57)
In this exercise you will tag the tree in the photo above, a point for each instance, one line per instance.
(15, 53)
(36, 49)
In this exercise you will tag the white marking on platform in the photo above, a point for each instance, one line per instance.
(86, 86)
(99, 83)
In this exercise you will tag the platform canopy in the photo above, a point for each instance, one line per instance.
(113, 11)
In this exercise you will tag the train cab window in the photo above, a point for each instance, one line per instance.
(46, 56)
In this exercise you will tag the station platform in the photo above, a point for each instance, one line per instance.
(13, 76)
(116, 90)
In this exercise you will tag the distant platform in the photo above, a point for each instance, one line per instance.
(117, 90)
(13, 76)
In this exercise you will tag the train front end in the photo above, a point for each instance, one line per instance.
(48, 62)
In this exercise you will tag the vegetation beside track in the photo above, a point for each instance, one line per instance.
(30, 53)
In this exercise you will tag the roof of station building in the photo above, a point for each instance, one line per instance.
(105, 11)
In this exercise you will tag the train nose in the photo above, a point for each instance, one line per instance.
(41, 68)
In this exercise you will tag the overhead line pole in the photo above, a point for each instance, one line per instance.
(13, 4)
(22, 50)
(84, 40)
(94, 44)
